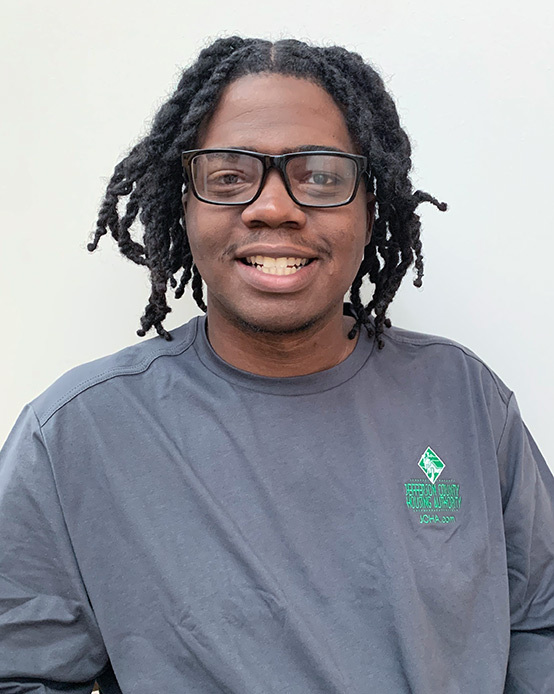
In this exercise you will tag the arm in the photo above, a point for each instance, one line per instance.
(528, 498)
(49, 639)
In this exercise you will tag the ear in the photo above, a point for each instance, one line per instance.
(370, 216)
(184, 201)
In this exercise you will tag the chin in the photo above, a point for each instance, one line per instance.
(275, 324)
(266, 327)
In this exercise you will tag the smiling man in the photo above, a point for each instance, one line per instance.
(286, 494)
(282, 244)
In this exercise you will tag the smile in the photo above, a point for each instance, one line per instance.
(276, 266)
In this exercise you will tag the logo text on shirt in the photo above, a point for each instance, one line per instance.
(434, 501)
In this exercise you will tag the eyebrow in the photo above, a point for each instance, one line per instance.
(301, 148)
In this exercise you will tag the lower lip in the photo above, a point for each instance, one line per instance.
(280, 284)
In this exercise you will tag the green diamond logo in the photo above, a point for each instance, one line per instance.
(431, 465)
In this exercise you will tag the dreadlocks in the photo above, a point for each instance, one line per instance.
(148, 183)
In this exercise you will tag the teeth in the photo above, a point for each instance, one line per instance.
(276, 266)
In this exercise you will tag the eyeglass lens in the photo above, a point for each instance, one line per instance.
(233, 177)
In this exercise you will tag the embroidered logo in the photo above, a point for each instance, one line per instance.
(434, 501)
(431, 465)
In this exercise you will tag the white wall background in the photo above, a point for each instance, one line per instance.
(473, 81)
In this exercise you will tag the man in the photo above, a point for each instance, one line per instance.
(287, 494)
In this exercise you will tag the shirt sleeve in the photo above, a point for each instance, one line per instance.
(528, 500)
(49, 638)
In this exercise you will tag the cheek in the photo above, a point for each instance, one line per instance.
(348, 253)
(352, 254)
(353, 241)
(202, 235)
(200, 247)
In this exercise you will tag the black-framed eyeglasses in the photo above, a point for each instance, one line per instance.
(318, 178)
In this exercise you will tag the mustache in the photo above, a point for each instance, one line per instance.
(317, 247)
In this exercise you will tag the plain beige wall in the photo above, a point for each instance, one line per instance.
(473, 82)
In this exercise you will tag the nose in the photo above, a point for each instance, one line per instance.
(274, 207)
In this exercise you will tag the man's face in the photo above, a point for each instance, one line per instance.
(274, 114)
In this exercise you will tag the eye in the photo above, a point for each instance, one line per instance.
(320, 178)
(226, 178)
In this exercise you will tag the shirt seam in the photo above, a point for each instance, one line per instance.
(505, 423)
(113, 372)
(446, 343)
(60, 506)
(234, 383)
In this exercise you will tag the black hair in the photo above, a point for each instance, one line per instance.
(149, 180)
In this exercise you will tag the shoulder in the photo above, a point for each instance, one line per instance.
(135, 360)
(440, 357)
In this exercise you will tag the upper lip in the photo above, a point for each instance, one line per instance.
(275, 251)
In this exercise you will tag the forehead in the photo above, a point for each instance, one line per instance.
(275, 113)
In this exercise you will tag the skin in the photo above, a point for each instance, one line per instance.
(291, 331)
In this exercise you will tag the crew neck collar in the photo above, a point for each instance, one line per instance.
(290, 385)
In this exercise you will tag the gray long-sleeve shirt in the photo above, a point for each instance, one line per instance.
(179, 525)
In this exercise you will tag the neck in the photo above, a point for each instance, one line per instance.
(320, 346)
